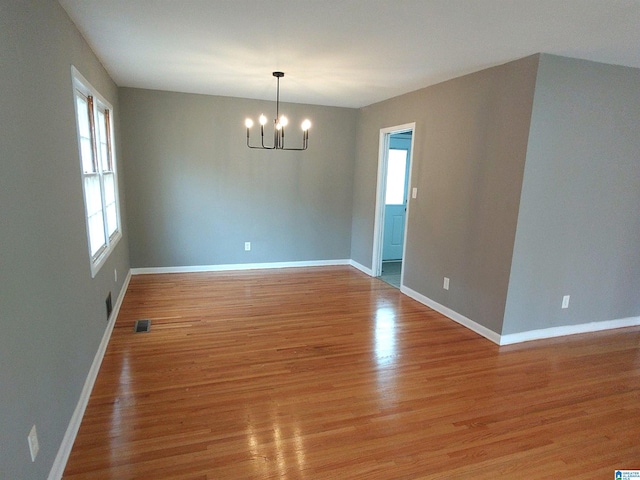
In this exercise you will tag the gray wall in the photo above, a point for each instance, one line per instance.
(468, 161)
(52, 313)
(579, 223)
(197, 193)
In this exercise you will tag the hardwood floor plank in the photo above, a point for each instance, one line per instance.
(327, 373)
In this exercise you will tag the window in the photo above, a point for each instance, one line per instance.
(98, 167)
(396, 177)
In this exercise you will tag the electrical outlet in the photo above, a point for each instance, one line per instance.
(115, 275)
(445, 285)
(33, 443)
(247, 246)
(414, 192)
(565, 301)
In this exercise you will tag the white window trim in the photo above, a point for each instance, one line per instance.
(79, 83)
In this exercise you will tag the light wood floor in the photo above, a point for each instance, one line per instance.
(326, 373)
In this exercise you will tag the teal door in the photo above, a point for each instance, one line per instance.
(395, 204)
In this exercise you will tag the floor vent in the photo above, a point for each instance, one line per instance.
(142, 326)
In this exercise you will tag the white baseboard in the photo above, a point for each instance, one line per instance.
(522, 336)
(69, 438)
(568, 330)
(455, 316)
(238, 266)
(361, 267)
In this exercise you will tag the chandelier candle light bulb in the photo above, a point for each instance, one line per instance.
(279, 123)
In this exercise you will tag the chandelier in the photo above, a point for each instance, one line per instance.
(279, 123)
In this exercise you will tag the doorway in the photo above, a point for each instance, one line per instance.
(394, 172)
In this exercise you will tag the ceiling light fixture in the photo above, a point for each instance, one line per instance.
(278, 126)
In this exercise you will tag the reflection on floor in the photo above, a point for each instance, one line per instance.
(391, 272)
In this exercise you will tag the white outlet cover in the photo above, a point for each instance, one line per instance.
(445, 284)
(565, 301)
(33, 443)
(414, 192)
(247, 246)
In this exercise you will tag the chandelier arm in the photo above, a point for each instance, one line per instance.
(305, 143)
(262, 147)
(279, 141)
(294, 149)
(278, 133)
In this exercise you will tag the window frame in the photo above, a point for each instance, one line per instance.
(81, 87)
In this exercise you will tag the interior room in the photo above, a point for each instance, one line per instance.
(477, 300)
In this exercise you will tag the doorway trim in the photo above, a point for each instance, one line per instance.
(378, 225)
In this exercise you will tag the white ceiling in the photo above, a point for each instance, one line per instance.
(347, 53)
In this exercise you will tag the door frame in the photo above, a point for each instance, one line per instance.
(378, 225)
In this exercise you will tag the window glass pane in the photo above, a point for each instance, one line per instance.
(112, 219)
(93, 197)
(85, 135)
(83, 118)
(87, 155)
(107, 141)
(101, 141)
(104, 157)
(101, 129)
(396, 173)
(96, 232)
(109, 188)
(110, 201)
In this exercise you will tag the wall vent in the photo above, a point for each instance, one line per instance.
(142, 326)
(109, 306)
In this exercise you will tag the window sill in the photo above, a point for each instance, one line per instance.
(97, 264)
